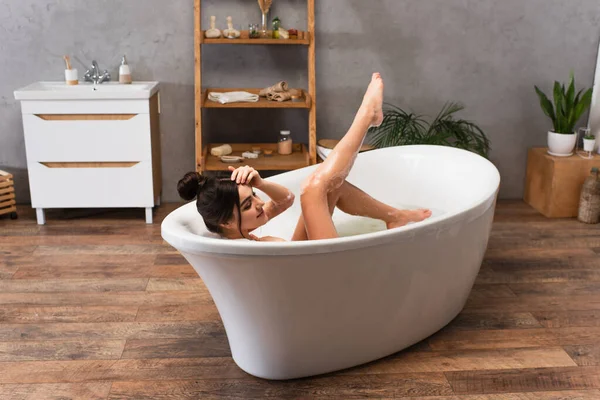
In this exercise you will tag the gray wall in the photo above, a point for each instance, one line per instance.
(486, 54)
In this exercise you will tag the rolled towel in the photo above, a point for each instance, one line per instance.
(222, 150)
(279, 96)
(233, 97)
(278, 87)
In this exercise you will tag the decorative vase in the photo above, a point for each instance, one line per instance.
(589, 201)
(589, 144)
(561, 144)
(264, 25)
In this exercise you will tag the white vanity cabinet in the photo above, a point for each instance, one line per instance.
(93, 152)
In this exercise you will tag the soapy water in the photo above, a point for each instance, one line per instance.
(352, 225)
(349, 225)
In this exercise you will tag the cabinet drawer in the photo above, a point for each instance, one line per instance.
(91, 139)
(90, 185)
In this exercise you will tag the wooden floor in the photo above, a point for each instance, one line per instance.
(94, 305)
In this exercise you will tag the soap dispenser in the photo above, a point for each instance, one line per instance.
(124, 72)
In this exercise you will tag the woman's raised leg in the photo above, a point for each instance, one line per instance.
(332, 173)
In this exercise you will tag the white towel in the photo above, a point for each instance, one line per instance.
(232, 97)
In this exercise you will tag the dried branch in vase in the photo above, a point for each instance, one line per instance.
(265, 5)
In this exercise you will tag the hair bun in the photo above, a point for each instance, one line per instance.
(190, 185)
(201, 182)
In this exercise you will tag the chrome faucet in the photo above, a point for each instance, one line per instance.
(93, 74)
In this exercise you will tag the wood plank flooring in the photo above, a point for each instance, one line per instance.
(95, 305)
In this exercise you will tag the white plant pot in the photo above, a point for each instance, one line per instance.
(589, 144)
(561, 144)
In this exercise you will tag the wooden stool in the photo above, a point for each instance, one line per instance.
(7, 195)
(331, 143)
(553, 184)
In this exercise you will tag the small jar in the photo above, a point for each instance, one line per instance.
(253, 31)
(284, 145)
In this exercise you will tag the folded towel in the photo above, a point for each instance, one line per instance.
(232, 97)
(279, 96)
(278, 87)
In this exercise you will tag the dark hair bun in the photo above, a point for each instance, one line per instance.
(190, 185)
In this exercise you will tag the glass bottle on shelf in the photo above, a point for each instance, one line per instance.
(284, 145)
(276, 26)
(264, 25)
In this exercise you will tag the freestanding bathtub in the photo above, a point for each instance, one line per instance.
(296, 309)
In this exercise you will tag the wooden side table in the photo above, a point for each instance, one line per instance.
(553, 185)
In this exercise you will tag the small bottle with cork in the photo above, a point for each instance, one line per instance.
(284, 145)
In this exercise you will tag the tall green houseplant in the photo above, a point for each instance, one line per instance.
(402, 128)
(568, 107)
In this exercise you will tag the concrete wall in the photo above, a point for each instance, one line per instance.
(486, 54)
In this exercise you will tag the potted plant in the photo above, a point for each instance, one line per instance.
(589, 142)
(402, 128)
(564, 113)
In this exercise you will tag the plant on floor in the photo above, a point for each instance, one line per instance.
(567, 107)
(402, 128)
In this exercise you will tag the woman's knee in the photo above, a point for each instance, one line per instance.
(314, 184)
(321, 182)
(314, 191)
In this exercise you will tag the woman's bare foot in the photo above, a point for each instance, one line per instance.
(403, 217)
(372, 103)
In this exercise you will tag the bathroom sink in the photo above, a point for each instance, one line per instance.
(86, 91)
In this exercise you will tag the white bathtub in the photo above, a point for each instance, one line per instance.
(295, 309)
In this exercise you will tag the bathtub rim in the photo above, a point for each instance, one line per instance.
(188, 242)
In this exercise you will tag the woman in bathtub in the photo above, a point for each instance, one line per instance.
(231, 208)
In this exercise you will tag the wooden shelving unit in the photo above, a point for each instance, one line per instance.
(303, 154)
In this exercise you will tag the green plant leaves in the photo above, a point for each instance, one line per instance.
(397, 127)
(560, 106)
(547, 106)
(568, 107)
(582, 106)
(402, 128)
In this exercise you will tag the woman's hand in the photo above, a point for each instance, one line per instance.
(246, 175)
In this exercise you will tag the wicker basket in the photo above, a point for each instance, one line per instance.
(7, 195)
(589, 203)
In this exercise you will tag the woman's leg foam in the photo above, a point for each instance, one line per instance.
(331, 174)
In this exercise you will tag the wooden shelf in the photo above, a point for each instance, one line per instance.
(276, 162)
(305, 100)
(245, 39)
(307, 153)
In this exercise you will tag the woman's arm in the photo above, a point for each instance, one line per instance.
(281, 197)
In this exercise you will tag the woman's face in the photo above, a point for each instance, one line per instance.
(251, 209)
